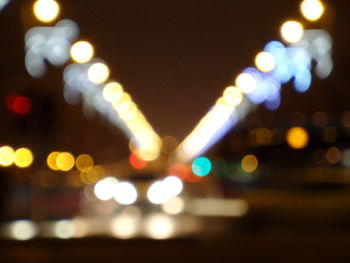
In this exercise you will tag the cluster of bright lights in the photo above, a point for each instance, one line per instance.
(277, 64)
(162, 191)
(22, 157)
(84, 80)
(50, 44)
(124, 193)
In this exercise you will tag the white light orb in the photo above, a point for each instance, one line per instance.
(98, 73)
(23, 230)
(312, 10)
(105, 189)
(46, 10)
(246, 83)
(125, 193)
(265, 62)
(173, 185)
(82, 52)
(292, 31)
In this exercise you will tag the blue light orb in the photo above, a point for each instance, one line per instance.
(201, 166)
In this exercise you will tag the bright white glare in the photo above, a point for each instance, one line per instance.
(312, 9)
(156, 193)
(64, 229)
(3, 4)
(265, 62)
(112, 92)
(246, 83)
(174, 206)
(105, 189)
(173, 185)
(23, 230)
(125, 226)
(292, 31)
(82, 51)
(160, 226)
(161, 191)
(46, 10)
(125, 193)
(98, 73)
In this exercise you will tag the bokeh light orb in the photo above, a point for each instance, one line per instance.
(46, 10)
(112, 92)
(105, 188)
(246, 83)
(125, 193)
(157, 194)
(84, 163)
(312, 10)
(249, 163)
(23, 230)
(292, 31)
(160, 226)
(51, 161)
(265, 62)
(232, 95)
(201, 166)
(98, 73)
(65, 161)
(6, 156)
(23, 157)
(82, 52)
(297, 137)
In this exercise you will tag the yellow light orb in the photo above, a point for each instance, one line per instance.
(98, 73)
(312, 10)
(297, 137)
(23, 158)
(6, 156)
(82, 52)
(292, 31)
(51, 161)
(265, 62)
(249, 163)
(246, 83)
(112, 92)
(232, 95)
(46, 10)
(84, 163)
(65, 161)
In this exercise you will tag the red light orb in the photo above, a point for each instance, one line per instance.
(136, 162)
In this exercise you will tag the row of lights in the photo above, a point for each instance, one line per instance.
(125, 193)
(146, 142)
(21, 157)
(230, 107)
(124, 226)
(65, 161)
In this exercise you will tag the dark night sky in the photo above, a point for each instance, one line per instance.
(176, 57)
